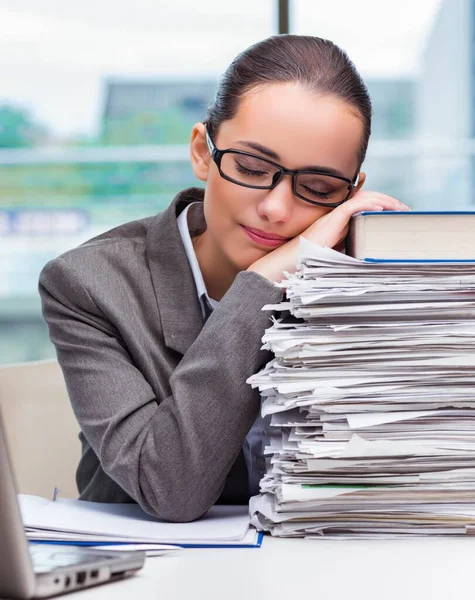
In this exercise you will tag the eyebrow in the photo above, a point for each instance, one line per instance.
(274, 156)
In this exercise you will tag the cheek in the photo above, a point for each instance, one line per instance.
(222, 206)
(226, 207)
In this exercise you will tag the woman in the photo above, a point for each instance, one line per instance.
(158, 323)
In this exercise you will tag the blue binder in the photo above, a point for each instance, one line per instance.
(104, 545)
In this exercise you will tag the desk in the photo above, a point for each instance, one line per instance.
(425, 569)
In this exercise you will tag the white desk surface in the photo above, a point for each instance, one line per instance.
(423, 569)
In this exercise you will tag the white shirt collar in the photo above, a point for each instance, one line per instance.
(195, 267)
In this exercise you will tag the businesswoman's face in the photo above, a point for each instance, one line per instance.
(291, 126)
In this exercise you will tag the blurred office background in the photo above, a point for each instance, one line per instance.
(97, 100)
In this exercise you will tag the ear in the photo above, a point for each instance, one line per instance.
(359, 185)
(361, 180)
(199, 152)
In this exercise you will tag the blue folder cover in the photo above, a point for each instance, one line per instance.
(258, 544)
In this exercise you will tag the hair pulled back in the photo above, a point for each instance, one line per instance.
(317, 64)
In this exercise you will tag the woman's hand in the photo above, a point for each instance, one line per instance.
(329, 230)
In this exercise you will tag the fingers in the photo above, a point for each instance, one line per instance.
(377, 199)
(334, 225)
(370, 201)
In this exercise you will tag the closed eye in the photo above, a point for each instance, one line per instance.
(317, 193)
(246, 171)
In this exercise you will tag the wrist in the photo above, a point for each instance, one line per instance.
(270, 274)
(273, 265)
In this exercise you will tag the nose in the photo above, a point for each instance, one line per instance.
(276, 205)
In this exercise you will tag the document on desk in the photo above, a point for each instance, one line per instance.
(94, 522)
(371, 400)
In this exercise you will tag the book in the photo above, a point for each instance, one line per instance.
(412, 235)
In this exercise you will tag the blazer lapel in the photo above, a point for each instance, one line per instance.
(172, 278)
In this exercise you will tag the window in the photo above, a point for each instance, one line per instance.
(98, 98)
(96, 106)
(417, 59)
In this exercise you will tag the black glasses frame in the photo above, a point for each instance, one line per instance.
(217, 156)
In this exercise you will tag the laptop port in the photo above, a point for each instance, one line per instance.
(94, 574)
(81, 577)
(67, 581)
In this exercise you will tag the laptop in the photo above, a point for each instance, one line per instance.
(29, 570)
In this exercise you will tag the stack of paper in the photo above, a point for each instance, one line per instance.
(77, 521)
(371, 398)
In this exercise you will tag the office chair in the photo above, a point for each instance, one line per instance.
(41, 428)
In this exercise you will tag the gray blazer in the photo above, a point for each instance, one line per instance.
(160, 396)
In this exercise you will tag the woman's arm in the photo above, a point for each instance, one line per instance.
(329, 230)
(170, 454)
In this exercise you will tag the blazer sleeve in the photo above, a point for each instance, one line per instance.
(172, 454)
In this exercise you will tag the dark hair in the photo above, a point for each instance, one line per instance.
(317, 64)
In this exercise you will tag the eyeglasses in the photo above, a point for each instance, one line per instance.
(251, 171)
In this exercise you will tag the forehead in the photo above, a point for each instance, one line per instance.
(302, 127)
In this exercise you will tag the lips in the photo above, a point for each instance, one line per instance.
(264, 238)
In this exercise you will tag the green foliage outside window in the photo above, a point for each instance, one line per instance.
(18, 129)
